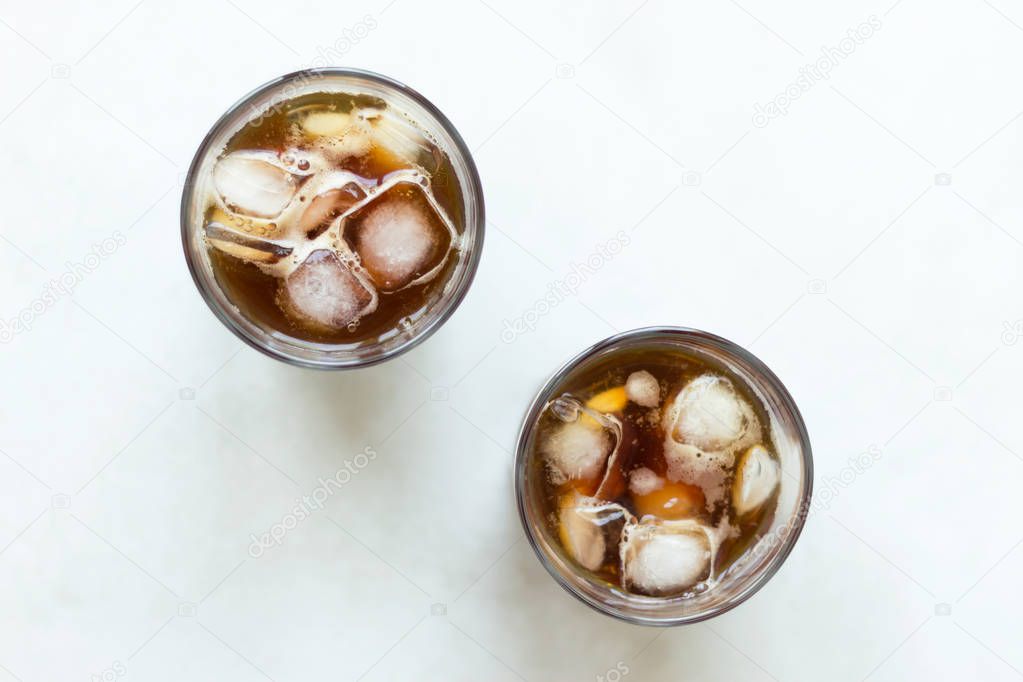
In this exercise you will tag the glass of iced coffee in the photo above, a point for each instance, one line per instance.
(333, 218)
(663, 475)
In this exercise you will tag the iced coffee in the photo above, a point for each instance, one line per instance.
(334, 217)
(655, 469)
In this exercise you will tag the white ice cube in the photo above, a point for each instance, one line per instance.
(667, 558)
(254, 183)
(642, 388)
(756, 477)
(705, 425)
(708, 413)
(396, 133)
(577, 451)
(400, 236)
(326, 123)
(325, 291)
(643, 481)
(589, 529)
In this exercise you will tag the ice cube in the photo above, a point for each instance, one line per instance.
(577, 451)
(244, 246)
(590, 530)
(338, 133)
(400, 237)
(756, 477)
(614, 481)
(330, 203)
(643, 481)
(325, 291)
(254, 183)
(588, 446)
(705, 425)
(400, 136)
(667, 558)
(709, 414)
(254, 227)
(321, 123)
(642, 388)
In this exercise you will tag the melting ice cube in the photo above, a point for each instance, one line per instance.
(667, 558)
(706, 423)
(326, 123)
(401, 136)
(590, 529)
(577, 451)
(254, 227)
(643, 481)
(755, 479)
(254, 183)
(586, 446)
(400, 236)
(642, 388)
(339, 134)
(330, 203)
(325, 291)
(709, 414)
(244, 246)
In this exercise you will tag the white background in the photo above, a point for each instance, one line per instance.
(866, 245)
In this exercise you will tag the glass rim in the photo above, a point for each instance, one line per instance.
(476, 220)
(795, 523)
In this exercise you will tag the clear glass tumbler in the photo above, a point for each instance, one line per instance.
(756, 566)
(307, 353)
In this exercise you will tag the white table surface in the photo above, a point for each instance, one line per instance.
(866, 245)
